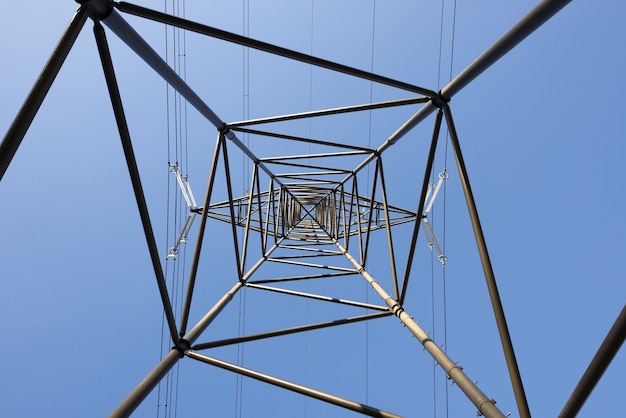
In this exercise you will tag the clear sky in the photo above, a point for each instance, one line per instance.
(542, 132)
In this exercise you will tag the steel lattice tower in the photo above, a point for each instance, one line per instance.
(315, 215)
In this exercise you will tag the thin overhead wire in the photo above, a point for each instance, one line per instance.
(245, 167)
(369, 145)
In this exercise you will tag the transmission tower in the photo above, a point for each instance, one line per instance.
(315, 212)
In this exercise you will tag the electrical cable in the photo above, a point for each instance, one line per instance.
(369, 145)
(445, 196)
(245, 171)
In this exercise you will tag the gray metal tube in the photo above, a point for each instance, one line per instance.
(323, 396)
(609, 348)
(127, 34)
(485, 405)
(494, 295)
(26, 114)
(535, 18)
(143, 389)
(527, 25)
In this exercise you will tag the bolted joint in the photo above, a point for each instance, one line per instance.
(182, 346)
(97, 9)
(439, 100)
(479, 413)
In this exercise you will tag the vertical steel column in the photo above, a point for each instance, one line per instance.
(26, 114)
(496, 303)
(133, 171)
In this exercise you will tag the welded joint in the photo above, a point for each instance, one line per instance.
(224, 129)
(439, 100)
(479, 413)
(182, 346)
(97, 9)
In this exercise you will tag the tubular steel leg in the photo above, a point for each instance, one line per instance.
(526, 25)
(25, 116)
(610, 346)
(143, 389)
(120, 118)
(496, 303)
(485, 405)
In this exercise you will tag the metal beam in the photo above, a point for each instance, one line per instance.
(485, 405)
(199, 241)
(524, 27)
(323, 396)
(333, 111)
(494, 295)
(133, 171)
(266, 47)
(609, 348)
(143, 389)
(289, 331)
(26, 114)
(318, 297)
(420, 205)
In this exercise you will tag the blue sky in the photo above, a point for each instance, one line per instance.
(542, 132)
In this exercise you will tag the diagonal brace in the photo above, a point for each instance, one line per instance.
(120, 118)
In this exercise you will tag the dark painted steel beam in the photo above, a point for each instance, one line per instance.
(233, 223)
(289, 331)
(133, 171)
(527, 25)
(26, 114)
(266, 47)
(334, 111)
(392, 257)
(494, 294)
(322, 396)
(420, 205)
(201, 233)
(609, 348)
(319, 297)
(301, 139)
